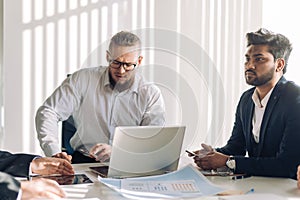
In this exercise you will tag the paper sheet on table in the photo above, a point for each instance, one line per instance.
(186, 182)
(258, 196)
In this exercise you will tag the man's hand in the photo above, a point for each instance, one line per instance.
(212, 160)
(41, 189)
(63, 155)
(101, 152)
(206, 149)
(48, 165)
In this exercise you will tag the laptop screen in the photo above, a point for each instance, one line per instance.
(145, 150)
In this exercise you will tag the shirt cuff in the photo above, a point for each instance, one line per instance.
(30, 173)
(19, 194)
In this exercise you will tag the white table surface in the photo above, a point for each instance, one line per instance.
(280, 186)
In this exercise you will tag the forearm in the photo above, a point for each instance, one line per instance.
(16, 164)
(274, 167)
(235, 146)
(47, 130)
(231, 150)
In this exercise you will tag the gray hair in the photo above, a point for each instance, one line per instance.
(125, 38)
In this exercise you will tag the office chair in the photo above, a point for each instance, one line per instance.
(68, 130)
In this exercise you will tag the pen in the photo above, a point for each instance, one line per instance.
(240, 176)
(250, 191)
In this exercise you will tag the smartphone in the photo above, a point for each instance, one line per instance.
(100, 170)
(66, 179)
(85, 152)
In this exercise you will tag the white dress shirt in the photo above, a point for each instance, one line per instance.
(259, 110)
(97, 109)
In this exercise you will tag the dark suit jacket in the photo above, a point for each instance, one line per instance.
(15, 164)
(9, 187)
(278, 151)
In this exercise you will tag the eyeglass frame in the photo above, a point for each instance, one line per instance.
(123, 64)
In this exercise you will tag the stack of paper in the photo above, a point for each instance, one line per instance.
(186, 182)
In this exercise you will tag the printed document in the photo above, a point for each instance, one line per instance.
(186, 182)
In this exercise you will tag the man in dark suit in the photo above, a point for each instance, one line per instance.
(267, 120)
(22, 165)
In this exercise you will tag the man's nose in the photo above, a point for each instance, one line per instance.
(122, 68)
(249, 65)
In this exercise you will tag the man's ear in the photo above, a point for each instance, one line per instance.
(280, 64)
(108, 56)
(140, 60)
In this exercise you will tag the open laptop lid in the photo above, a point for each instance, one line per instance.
(145, 150)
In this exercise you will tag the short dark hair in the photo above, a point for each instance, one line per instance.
(124, 38)
(279, 45)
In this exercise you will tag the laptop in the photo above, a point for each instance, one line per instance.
(143, 151)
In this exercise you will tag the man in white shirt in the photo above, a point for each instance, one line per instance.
(100, 99)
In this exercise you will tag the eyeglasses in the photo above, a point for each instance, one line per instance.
(127, 66)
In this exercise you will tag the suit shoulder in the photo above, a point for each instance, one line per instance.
(292, 86)
(248, 93)
(287, 89)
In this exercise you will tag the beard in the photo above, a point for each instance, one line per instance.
(254, 80)
(121, 85)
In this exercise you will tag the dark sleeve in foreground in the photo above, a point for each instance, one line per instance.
(15, 164)
(9, 187)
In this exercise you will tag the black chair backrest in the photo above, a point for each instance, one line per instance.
(68, 130)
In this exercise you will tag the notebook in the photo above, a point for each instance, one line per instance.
(143, 151)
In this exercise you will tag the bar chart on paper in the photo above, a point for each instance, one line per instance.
(183, 186)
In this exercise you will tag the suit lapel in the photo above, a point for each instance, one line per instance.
(249, 115)
(269, 111)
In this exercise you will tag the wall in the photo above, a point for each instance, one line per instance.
(194, 52)
(283, 23)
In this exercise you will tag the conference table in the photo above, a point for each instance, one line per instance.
(283, 187)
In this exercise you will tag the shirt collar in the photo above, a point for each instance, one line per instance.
(261, 103)
(106, 77)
